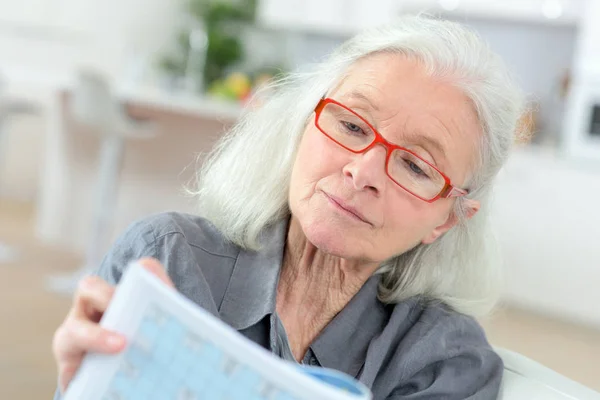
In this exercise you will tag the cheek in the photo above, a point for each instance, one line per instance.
(407, 221)
(315, 161)
(319, 153)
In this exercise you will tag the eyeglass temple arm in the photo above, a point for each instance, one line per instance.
(454, 192)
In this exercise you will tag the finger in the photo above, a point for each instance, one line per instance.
(79, 336)
(155, 267)
(66, 372)
(76, 337)
(92, 298)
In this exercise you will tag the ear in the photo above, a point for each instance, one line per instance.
(472, 206)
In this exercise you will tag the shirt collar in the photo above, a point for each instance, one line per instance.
(343, 344)
(252, 288)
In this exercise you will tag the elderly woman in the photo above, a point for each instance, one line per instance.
(343, 221)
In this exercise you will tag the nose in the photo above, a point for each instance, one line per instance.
(367, 170)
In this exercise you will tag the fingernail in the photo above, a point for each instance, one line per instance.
(115, 341)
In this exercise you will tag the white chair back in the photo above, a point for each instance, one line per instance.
(525, 379)
(92, 102)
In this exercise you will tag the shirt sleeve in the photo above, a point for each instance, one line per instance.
(456, 363)
(136, 242)
(162, 237)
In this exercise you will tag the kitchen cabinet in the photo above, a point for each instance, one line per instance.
(337, 17)
(556, 12)
(347, 17)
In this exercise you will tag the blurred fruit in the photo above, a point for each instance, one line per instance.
(236, 86)
(239, 83)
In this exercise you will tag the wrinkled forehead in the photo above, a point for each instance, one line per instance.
(391, 80)
(408, 105)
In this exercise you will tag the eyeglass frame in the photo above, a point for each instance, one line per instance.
(448, 191)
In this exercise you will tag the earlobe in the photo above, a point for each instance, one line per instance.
(471, 208)
(440, 230)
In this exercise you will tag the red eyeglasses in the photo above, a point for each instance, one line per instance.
(404, 167)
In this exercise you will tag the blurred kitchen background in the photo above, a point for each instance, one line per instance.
(106, 107)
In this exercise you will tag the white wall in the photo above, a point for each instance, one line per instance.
(61, 34)
(585, 89)
(538, 55)
(546, 215)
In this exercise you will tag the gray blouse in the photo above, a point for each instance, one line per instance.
(410, 350)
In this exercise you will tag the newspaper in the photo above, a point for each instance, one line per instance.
(176, 350)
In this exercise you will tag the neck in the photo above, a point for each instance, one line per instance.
(313, 287)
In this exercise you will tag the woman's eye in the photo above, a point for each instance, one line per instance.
(416, 169)
(352, 127)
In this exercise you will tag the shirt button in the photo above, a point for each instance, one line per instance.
(313, 361)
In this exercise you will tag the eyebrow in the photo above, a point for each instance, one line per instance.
(355, 94)
(417, 137)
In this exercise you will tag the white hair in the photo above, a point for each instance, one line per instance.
(243, 185)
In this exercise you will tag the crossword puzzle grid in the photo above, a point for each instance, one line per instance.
(167, 361)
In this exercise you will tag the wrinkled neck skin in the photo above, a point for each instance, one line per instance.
(313, 287)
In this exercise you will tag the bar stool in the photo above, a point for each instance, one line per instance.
(9, 108)
(94, 107)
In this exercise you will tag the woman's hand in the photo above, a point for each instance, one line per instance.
(80, 332)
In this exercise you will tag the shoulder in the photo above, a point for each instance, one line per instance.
(195, 231)
(438, 333)
(438, 321)
(443, 351)
(194, 253)
(197, 258)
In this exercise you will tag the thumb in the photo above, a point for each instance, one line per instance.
(155, 267)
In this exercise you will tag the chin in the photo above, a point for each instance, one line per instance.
(332, 239)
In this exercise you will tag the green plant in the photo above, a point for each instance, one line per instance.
(222, 20)
(217, 11)
(175, 64)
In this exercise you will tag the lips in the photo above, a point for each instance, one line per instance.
(346, 207)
